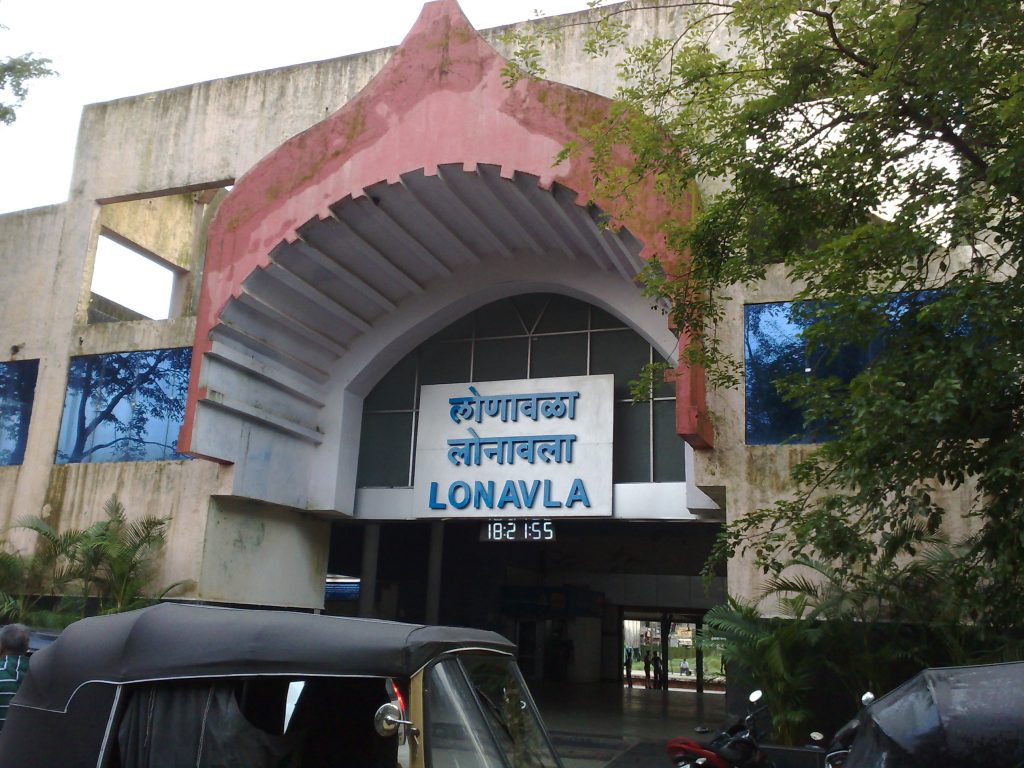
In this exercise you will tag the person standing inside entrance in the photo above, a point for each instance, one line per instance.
(13, 664)
(647, 669)
(627, 667)
(656, 664)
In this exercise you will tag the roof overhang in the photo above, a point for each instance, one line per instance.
(437, 166)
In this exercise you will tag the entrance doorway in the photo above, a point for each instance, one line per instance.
(666, 643)
(682, 653)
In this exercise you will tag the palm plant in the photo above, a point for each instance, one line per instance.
(882, 619)
(117, 559)
(869, 627)
(12, 569)
(776, 656)
(25, 581)
(846, 606)
(109, 566)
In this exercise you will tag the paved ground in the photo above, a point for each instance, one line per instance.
(611, 753)
(606, 726)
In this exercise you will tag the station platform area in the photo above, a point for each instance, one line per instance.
(606, 725)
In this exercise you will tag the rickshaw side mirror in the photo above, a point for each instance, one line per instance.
(387, 720)
(755, 697)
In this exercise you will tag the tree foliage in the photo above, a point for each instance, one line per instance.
(773, 656)
(26, 581)
(871, 150)
(840, 633)
(117, 559)
(15, 74)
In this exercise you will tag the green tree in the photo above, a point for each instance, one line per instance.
(882, 623)
(15, 73)
(840, 633)
(874, 151)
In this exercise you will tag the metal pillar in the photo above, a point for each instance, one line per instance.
(434, 572)
(699, 659)
(368, 572)
(666, 625)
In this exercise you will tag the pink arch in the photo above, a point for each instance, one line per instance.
(440, 99)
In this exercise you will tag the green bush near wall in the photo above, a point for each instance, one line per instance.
(814, 671)
(107, 568)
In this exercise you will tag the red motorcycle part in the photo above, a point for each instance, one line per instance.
(683, 750)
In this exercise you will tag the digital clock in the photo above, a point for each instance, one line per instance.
(518, 530)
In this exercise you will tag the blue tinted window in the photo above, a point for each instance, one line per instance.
(774, 348)
(17, 388)
(126, 406)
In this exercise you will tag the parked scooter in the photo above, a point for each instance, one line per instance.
(735, 747)
(839, 748)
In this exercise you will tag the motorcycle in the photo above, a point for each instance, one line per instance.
(839, 748)
(734, 747)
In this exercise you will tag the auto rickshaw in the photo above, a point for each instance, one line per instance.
(188, 685)
(968, 717)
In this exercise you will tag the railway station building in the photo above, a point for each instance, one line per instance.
(393, 375)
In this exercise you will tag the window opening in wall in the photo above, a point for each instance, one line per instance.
(526, 336)
(150, 253)
(125, 406)
(128, 284)
(17, 391)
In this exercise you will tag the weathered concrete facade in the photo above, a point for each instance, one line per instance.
(280, 438)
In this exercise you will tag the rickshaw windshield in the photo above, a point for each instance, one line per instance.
(482, 716)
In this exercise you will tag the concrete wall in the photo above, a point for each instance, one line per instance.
(257, 553)
(29, 254)
(160, 226)
(191, 137)
(29, 249)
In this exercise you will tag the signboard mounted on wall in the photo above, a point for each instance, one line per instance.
(524, 448)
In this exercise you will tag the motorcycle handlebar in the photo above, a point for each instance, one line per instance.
(754, 713)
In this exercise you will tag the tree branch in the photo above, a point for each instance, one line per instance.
(139, 379)
(840, 46)
(115, 441)
(946, 134)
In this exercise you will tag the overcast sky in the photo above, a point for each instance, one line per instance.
(107, 49)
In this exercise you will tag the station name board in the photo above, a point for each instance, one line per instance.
(515, 448)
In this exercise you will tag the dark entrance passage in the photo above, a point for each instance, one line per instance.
(563, 601)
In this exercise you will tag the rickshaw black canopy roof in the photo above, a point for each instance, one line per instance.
(177, 641)
(958, 716)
